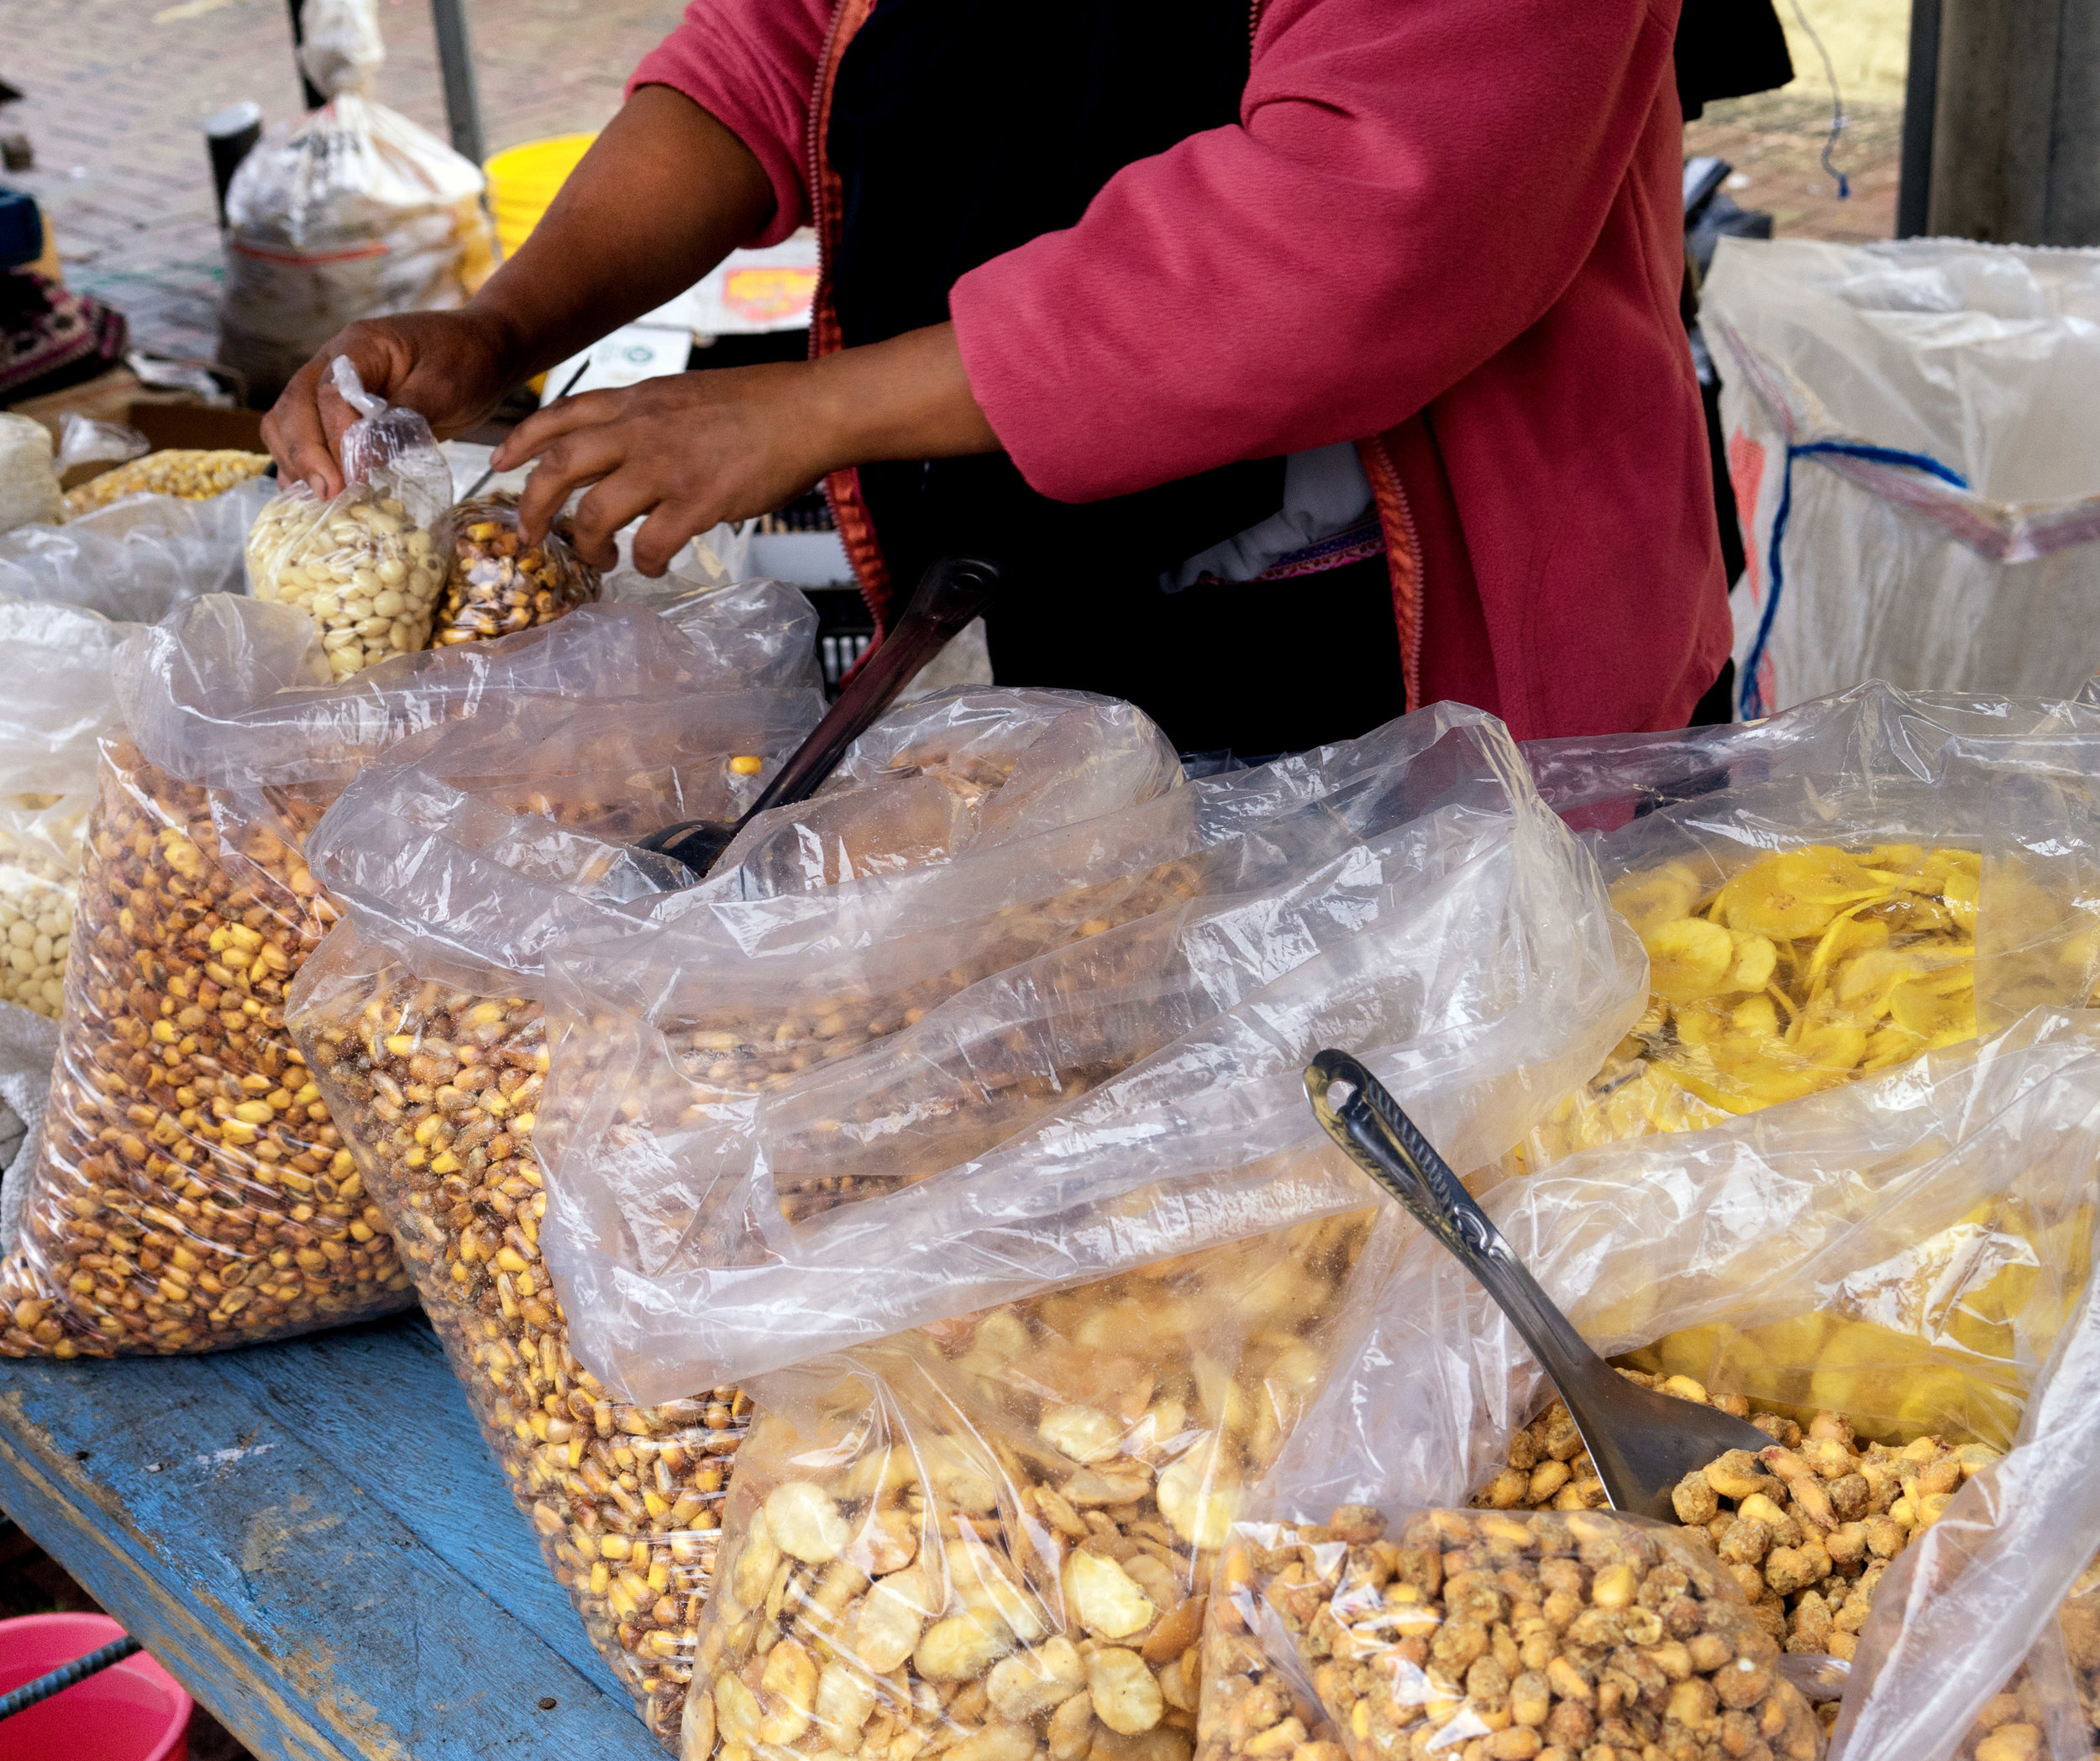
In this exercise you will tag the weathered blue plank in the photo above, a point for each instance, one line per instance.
(314, 1540)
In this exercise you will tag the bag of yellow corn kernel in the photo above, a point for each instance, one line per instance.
(1892, 1278)
(1059, 1057)
(1828, 894)
(190, 1192)
(458, 860)
(494, 583)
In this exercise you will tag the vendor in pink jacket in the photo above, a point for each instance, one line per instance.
(1300, 363)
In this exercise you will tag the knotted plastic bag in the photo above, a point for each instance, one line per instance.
(459, 861)
(1828, 893)
(363, 565)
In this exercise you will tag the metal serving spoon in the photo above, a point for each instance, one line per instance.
(1641, 1442)
(950, 593)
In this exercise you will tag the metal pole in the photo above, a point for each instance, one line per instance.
(455, 58)
(1921, 94)
(314, 95)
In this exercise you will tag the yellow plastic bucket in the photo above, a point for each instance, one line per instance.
(523, 182)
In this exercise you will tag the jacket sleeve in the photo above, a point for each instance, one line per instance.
(750, 64)
(1412, 185)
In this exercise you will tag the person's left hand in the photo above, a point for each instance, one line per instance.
(689, 451)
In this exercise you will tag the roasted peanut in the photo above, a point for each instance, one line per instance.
(1544, 1631)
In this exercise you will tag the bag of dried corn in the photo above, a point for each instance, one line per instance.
(191, 1192)
(457, 860)
(1892, 1278)
(1828, 894)
(1077, 1054)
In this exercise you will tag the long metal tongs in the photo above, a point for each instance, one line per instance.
(950, 593)
(1641, 1442)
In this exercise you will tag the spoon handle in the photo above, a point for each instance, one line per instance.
(1356, 1112)
(948, 595)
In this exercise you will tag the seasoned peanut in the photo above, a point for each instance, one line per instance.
(1488, 1636)
(1807, 1526)
(192, 1193)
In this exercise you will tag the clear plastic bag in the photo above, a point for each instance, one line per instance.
(350, 212)
(28, 483)
(423, 1022)
(1491, 1637)
(1910, 1253)
(191, 1191)
(969, 766)
(365, 565)
(495, 584)
(1077, 1054)
(999, 1534)
(1828, 894)
(137, 558)
(1917, 500)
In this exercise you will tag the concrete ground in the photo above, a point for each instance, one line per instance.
(118, 91)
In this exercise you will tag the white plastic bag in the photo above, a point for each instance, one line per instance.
(1913, 1252)
(1908, 436)
(924, 1092)
(29, 483)
(352, 211)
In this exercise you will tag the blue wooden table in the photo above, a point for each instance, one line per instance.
(314, 1540)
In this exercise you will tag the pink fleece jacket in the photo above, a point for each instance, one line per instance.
(1450, 226)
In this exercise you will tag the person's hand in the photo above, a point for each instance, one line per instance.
(731, 443)
(688, 451)
(452, 368)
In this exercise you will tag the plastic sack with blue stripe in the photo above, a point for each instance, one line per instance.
(1909, 433)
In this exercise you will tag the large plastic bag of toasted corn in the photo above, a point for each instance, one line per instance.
(191, 1191)
(1891, 1278)
(1828, 893)
(457, 861)
(1049, 1240)
(1071, 1055)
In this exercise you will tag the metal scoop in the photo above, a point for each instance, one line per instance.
(950, 593)
(1641, 1442)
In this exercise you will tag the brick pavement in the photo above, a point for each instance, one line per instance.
(118, 91)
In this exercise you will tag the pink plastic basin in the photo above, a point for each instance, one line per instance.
(134, 1711)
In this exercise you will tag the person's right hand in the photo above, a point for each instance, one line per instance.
(452, 368)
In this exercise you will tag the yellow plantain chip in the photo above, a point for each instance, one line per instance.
(1937, 1015)
(1756, 958)
(1647, 901)
(1794, 895)
(1688, 959)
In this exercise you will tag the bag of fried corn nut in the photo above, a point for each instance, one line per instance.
(1891, 1278)
(1071, 1054)
(191, 1192)
(457, 860)
(1828, 894)
(494, 583)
